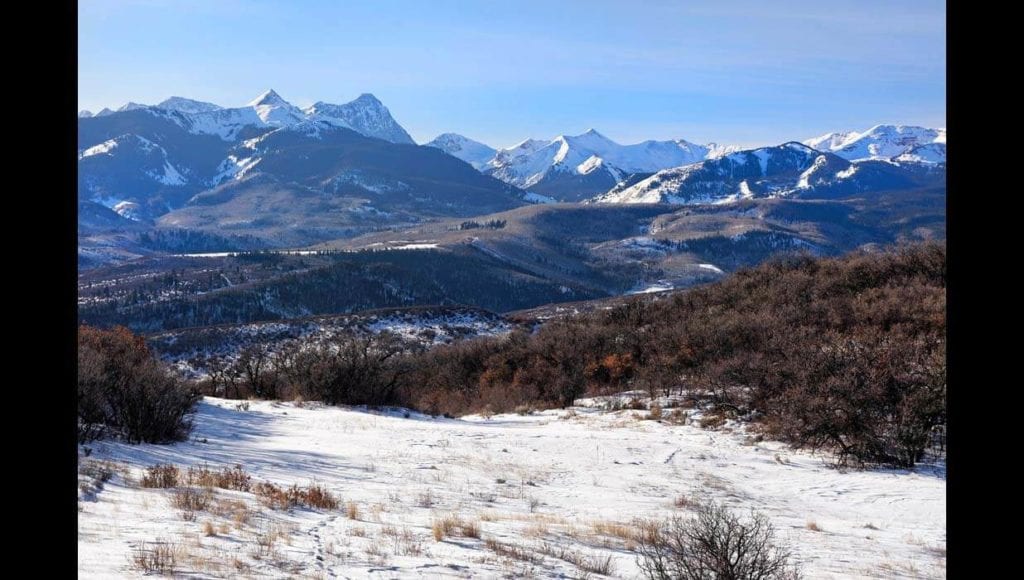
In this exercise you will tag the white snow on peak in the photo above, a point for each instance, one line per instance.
(268, 98)
(84, 114)
(878, 142)
(365, 115)
(183, 105)
(275, 111)
(473, 152)
(130, 106)
(831, 141)
(104, 112)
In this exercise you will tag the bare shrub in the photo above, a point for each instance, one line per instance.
(425, 499)
(156, 558)
(317, 496)
(684, 501)
(311, 496)
(350, 370)
(191, 500)
(162, 475)
(714, 544)
(124, 390)
(813, 526)
(227, 478)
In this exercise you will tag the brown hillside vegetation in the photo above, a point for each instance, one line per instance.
(845, 354)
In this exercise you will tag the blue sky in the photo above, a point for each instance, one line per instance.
(731, 71)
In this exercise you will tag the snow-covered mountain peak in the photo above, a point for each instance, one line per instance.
(104, 112)
(274, 110)
(130, 106)
(473, 152)
(268, 97)
(365, 114)
(556, 167)
(368, 99)
(183, 105)
(798, 147)
(84, 114)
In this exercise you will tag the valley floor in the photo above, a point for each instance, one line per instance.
(552, 495)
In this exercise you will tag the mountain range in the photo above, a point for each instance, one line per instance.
(270, 173)
(790, 169)
(271, 169)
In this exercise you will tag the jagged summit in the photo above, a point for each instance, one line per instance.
(268, 98)
(368, 98)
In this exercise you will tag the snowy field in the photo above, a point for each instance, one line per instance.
(552, 494)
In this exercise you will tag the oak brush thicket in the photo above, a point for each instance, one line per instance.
(846, 354)
(123, 390)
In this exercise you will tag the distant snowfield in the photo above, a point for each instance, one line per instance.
(556, 478)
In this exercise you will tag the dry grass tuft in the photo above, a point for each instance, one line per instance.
(514, 551)
(593, 564)
(453, 525)
(813, 526)
(625, 532)
(352, 510)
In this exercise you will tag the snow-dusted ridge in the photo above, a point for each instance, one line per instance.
(473, 152)
(768, 172)
(880, 142)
